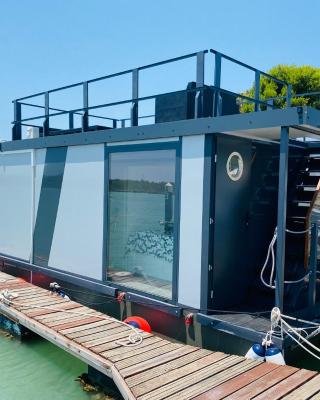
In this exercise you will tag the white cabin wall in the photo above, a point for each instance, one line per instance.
(78, 235)
(190, 242)
(16, 204)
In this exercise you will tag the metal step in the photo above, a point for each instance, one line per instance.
(307, 188)
(311, 172)
(298, 218)
(303, 203)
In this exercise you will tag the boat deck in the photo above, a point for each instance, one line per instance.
(156, 369)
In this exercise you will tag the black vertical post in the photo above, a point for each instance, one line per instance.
(135, 95)
(114, 123)
(282, 215)
(257, 91)
(313, 267)
(217, 84)
(71, 120)
(46, 122)
(85, 116)
(206, 294)
(198, 112)
(168, 209)
(16, 129)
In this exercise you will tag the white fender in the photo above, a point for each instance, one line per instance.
(256, 352)
(274, 355)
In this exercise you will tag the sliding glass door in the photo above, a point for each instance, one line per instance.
(141, 219)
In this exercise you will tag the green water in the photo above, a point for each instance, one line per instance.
(37, 370)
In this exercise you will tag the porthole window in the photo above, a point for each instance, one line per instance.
(235, 166)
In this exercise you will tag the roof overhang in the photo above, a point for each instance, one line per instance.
(263, 125)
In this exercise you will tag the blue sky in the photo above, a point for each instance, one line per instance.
(46, 44)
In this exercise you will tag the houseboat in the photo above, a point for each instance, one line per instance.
(198, 217)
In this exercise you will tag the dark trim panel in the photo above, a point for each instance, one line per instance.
(152, 303)
(236, 330)
(68, 277)
(295, 116)
(207, 223)
(48, 204)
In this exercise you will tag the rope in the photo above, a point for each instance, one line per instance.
(278, 321)
(135, 338)
(270, 285)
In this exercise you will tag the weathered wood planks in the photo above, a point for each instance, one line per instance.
(156, 369)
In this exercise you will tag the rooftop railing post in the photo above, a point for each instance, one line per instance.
(313, 267)
(123, 123)
(135, 96)
(17, 129)
(71, 120)
(198, 112)
(46, 122)
(114, 123)
(85, 116)
(289, 95)
(257, 91)
(282, 215)
(217, 84)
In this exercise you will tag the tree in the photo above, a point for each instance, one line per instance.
(304, 79)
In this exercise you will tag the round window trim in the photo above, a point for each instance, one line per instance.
(235, 166)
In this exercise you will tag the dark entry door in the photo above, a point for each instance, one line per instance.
(231, 218)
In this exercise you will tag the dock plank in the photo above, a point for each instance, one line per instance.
(36, 313)
(154, 353)
(234, 384)
(182, 385)
(124, 350)
(114, 344)
(158, 370)
(100, 337)
(306, 391)
(66, 331)
(192, 391)
(77, 323)
(260, 385)
(101, 328)
(138, 350)
(172, 376)
(143, 366)
(287, 385)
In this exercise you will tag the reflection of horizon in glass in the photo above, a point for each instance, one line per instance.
(139, 186)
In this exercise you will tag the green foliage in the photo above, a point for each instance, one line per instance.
(304, 79)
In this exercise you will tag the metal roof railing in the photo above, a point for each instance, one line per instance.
(85, 112)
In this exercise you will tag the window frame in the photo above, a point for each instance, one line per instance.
(125, 148)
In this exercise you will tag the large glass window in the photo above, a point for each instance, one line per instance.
(141, 220)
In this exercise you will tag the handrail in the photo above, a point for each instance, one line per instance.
(66, 111)
(248, 66)
(128, 71)
(144, 98)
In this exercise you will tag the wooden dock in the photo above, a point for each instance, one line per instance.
(156, 369)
